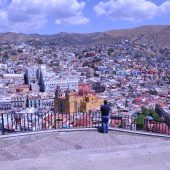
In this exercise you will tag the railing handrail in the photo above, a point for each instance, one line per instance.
(37, 122)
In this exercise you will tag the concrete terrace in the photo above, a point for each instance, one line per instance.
(84, 150)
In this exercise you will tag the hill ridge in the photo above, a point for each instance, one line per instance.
(146, 34)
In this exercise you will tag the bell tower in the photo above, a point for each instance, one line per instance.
(70, 100)
(58, 94)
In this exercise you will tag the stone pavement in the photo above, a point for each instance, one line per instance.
(86, 150)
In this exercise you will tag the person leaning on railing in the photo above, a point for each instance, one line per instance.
(105, 110)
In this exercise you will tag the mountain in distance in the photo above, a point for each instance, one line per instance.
(152, 35)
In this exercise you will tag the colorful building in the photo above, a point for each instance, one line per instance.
(82, 101)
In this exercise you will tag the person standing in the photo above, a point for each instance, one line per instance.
(105, 110)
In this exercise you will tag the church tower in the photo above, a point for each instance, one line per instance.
(58, 94)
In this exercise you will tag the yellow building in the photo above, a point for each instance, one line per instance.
(74, 102)
(91, 102)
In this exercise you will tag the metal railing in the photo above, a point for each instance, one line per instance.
(11, 123)
(140, 124)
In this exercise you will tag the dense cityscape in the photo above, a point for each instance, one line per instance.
(43, 78)
(84, 84)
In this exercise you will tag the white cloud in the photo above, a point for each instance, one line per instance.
(132, 10)
(165, 8)
(75, 20)
(30, 15)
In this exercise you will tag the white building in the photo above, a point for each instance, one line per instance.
(47, 99)
(31, 74)
(18, 100)
(5, 103)
(49, 81)
(49, 85)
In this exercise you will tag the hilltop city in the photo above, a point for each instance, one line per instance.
(40, 76)
(84, 84)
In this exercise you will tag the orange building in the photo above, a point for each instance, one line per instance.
(22, 88)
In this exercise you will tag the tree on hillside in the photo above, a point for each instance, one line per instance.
(110, 51)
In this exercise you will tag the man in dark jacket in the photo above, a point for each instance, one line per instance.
(105, 109)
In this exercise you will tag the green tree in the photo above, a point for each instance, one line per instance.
(110, 51)
(20, 50)
(140, 120)
(150, 112)
(40, 61)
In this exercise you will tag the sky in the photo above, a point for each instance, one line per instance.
(81, 16)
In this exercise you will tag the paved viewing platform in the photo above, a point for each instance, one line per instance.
(84, 150)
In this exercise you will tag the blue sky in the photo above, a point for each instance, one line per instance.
(53, 16)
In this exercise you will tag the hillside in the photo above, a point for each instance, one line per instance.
(158, 35)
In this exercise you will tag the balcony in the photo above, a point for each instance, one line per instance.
(83, 150)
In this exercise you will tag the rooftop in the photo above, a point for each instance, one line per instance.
(84, 150)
